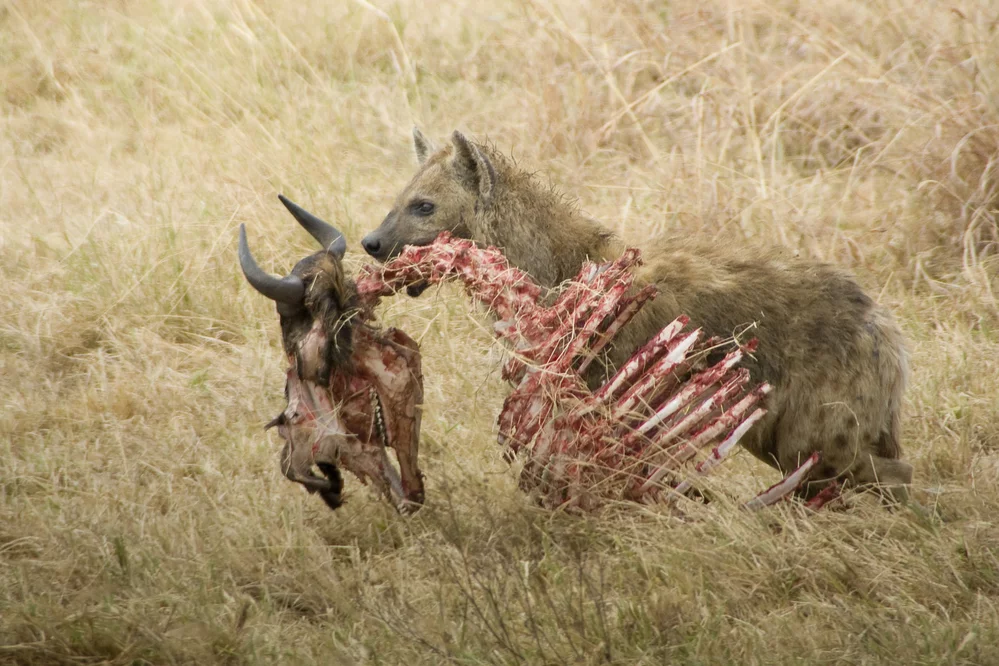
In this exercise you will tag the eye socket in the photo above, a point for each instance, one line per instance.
(422, 208)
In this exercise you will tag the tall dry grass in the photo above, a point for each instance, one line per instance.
(142, 515)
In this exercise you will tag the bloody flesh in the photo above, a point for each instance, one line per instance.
(636, 436)
(366, 409)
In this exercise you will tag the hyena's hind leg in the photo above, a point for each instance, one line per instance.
(856, 453)
(890, 477)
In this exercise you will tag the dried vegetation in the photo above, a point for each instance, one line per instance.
(142, 515)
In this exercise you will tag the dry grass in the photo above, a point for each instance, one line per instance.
(142, 515)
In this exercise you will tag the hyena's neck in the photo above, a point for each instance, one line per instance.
(544, 236)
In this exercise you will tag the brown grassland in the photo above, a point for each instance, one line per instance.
(143, 518)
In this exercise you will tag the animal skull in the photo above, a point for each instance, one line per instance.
(353, 391)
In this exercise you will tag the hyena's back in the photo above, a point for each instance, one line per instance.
(835, 359)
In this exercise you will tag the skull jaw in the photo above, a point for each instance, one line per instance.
(328, 488)
(356, 418)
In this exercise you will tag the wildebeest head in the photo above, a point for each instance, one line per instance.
(352, 390)
(316, 294)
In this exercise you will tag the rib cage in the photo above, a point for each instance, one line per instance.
(638, 435)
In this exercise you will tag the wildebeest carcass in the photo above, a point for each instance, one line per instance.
(353, 390)
(671, 413)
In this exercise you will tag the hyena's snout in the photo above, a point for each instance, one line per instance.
(373, 244)
(385, 244)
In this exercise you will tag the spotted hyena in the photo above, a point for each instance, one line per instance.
(836, 359)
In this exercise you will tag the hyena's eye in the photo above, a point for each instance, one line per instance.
(422, 208)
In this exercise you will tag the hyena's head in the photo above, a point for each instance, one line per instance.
(452, 186)
(315, 295)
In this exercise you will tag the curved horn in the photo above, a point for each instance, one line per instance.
(324, 232)
(288, 290)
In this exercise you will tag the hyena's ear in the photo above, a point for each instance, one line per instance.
(422, 144)
(473, 167)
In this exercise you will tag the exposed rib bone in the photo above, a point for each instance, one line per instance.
(641, 360)
(719, 453)
(784, 487)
